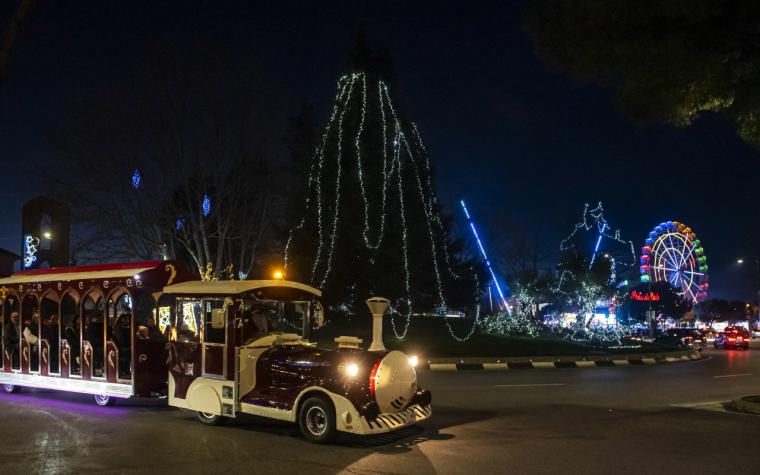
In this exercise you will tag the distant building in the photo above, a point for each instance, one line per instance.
(45, 226)
(7, 262)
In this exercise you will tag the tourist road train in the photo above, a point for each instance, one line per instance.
(219, 348)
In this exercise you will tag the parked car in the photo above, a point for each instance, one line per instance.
(680, 338)
(708, 335)
(733, 338)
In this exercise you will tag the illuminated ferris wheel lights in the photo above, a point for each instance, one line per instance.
(674, 254)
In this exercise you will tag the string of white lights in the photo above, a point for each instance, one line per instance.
(338, 173)
(600, 223)
(317, 161)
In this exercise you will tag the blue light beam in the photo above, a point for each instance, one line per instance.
(485, 256)
(598, 241)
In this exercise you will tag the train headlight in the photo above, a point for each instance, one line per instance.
(413, 360)
(352, 369)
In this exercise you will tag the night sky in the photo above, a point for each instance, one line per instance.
(523, 144)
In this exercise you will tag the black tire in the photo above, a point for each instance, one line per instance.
(210, 419)
(10, 388)
(103, 400)
(317, 420)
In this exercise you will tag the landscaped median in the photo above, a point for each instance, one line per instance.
(442, 345)
(547, 362)
(747, 404)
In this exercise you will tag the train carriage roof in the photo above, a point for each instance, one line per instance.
(149, 275)
(234, 287)
(62, 274)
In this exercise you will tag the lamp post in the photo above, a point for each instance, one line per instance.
(740, 261)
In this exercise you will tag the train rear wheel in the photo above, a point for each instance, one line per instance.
(104, 400)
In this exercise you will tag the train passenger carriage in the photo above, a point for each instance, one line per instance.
(89, 329)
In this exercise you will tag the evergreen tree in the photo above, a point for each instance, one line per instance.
(372, 222)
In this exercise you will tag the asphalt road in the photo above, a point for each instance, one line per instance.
(639, 419)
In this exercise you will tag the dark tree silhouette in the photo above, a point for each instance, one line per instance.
(19, 17)
(669, 61)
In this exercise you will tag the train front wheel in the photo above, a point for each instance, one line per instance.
(210, 419)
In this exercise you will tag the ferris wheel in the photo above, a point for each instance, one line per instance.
(672, 253)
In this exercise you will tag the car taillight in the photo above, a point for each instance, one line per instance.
(373, 377)
(732, 339)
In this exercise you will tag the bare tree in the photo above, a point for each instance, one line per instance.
(22, 12)
(174, 165)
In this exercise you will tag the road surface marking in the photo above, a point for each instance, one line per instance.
(585, 364)
(528, 385)
(620, 362)
(649, 360)
(733, 375)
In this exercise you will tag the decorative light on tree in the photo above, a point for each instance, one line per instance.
(136, 179)
(206, 206)
(372, 163)
(179, 224)
(520, 322)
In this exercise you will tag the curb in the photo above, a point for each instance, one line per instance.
(543, 362)
(745, 405)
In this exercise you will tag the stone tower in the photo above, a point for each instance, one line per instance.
(45, 226)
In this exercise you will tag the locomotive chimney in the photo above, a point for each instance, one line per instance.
(377, 306)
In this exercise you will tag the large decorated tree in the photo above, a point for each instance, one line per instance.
(372, 222)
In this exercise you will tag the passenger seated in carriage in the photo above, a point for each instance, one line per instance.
(122, 333)
(11, 338)
(50, 333)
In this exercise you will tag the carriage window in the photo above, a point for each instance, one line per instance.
(189, 313)
(214, 319)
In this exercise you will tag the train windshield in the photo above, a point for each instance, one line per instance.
(262, 317)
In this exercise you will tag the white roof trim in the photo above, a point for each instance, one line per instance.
(234, 287)
(69, 276)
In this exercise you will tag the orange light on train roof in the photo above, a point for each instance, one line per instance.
(278, 275)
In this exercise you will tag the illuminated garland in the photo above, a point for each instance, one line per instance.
(353, 89)
(31, 246)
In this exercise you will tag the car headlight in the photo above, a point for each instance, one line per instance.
(413, 360)
(352, 369)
